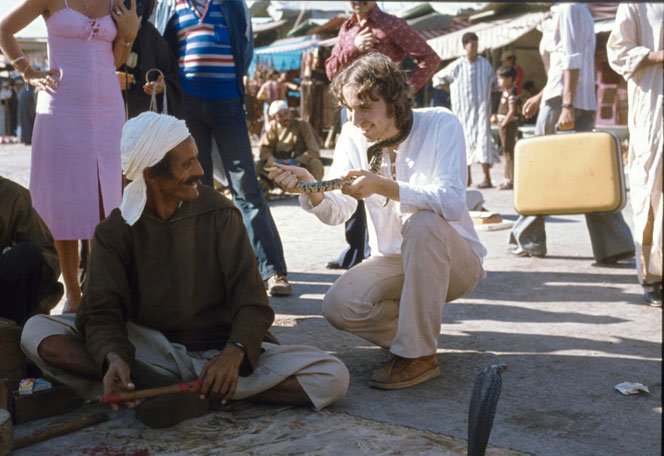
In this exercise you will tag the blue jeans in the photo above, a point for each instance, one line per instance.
(609, 234)
(225, 120)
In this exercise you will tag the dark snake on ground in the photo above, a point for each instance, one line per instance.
(374, 154)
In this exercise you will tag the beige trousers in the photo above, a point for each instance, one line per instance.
(323, 377)
(397, 301)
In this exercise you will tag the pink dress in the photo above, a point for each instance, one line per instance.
(76, 140)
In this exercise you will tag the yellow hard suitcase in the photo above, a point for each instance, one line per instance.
(570, 173)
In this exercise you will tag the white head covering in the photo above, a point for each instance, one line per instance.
(146, 139)
(277, 106)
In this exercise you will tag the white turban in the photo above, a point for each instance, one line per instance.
(277, 106)
(146, 139)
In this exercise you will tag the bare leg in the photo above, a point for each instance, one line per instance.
(68, 254)
(486, 167)
(288, 392)
(470, 178)
(69, 354)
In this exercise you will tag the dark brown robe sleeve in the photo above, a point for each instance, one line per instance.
(249, 306)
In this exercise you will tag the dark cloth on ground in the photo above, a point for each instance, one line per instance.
(29, 266)
(20, 274)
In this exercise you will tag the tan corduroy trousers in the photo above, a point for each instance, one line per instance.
(396, 301)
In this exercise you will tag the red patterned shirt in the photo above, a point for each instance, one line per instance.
(395, 39)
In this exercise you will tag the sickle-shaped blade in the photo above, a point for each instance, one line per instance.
(483, 402)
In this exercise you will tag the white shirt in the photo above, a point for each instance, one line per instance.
(570, 44)
(431, 172)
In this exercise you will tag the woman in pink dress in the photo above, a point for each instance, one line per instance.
(75, 175)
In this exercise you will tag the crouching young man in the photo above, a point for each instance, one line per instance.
(174, 294)
(419, 223)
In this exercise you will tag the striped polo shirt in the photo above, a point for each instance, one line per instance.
(205, 56)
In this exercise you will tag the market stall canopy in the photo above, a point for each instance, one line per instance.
(284, 54)
(491, 34)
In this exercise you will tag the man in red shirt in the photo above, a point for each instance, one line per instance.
(370, 29)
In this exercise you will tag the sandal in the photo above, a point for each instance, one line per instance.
(505, 186)
(484, 184)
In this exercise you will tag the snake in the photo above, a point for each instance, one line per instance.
(482, 410)
(374, 154)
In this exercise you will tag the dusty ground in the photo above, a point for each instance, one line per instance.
(568, 331)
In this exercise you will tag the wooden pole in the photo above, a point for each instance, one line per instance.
(186, 387)
(60, 429)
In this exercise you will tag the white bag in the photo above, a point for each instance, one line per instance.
(153, 101)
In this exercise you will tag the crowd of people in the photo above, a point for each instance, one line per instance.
(178, 276)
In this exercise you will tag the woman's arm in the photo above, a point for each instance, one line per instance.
(127, 23)
(14, 22)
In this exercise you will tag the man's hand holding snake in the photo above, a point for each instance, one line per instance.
(368, 183)
(287, 177)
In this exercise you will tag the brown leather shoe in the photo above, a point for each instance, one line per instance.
(405, 372)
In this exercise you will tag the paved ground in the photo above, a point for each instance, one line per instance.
(568, 331)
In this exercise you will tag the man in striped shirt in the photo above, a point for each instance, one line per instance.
(213, 42)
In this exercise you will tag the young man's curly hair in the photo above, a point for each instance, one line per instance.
(377, 76)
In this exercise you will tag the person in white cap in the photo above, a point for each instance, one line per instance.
(290, 141)
(174, 294)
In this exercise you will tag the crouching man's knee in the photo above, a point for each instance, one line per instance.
(332, 308)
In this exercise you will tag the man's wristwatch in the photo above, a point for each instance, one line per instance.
(567, 105)
(238, 344)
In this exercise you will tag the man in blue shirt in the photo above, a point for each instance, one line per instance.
(213, 43)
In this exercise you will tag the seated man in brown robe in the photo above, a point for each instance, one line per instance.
(174, 294)
(29, 265)
(288, 141)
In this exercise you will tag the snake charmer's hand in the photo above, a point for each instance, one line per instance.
(156, 86)
(368, 183)
(365, 40)
(221, 373)
(287, 177)
(44, 80)
(118, 379)
(126, 20)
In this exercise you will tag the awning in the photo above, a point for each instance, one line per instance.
(288, 45)
(284, 54)
(491, 34)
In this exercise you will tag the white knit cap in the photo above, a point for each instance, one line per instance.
(277, 106)
(146, 139)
